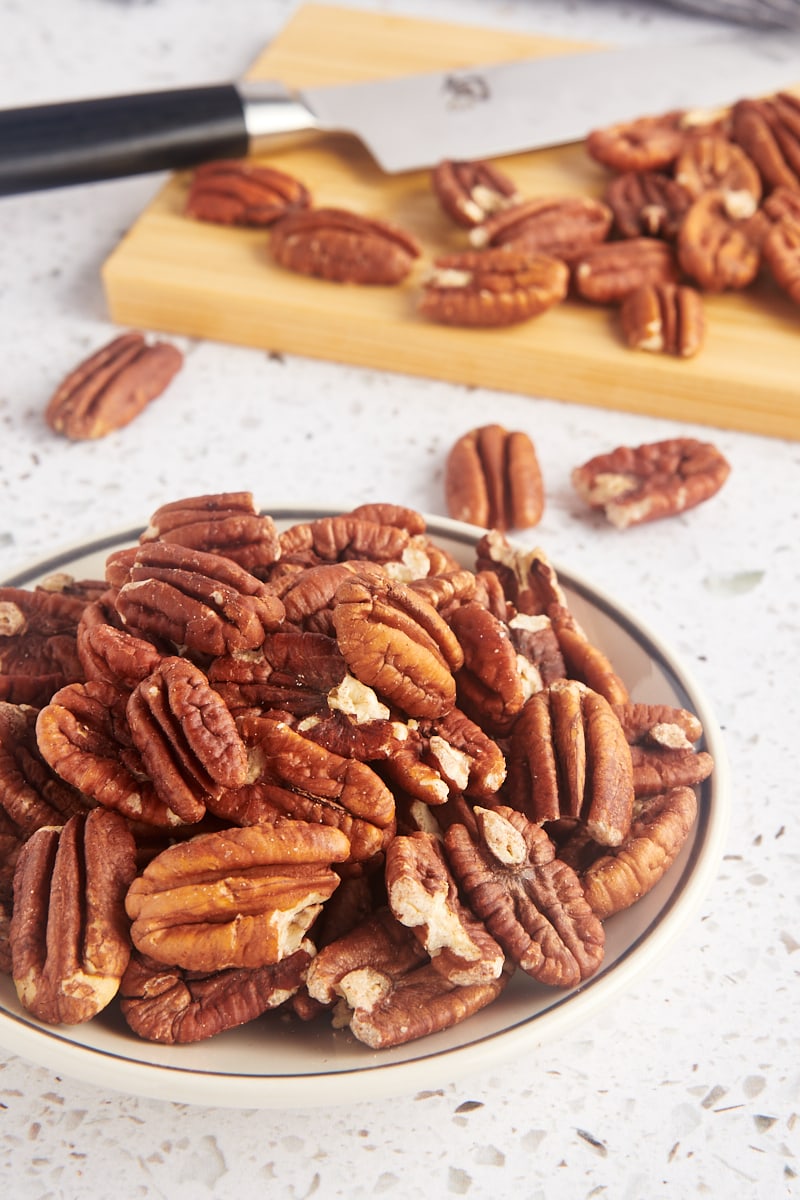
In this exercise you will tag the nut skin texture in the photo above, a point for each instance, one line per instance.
(223, 523)
(470, 191)
(237, 898)
(616, 879)
(112, 387)
(203, 602)
(665, 318)
(633, 485)
(555, 226)
(343, 247)
(237, 192)
(492, 288)
(186, 736)
(606, 274)
(493, 479)
(69, 934)
(531, 903)
(395, 642)
(175, 1007)
(715, 250)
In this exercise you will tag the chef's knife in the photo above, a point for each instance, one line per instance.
(406, 123)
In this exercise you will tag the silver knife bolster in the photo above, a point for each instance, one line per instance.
(270, 110)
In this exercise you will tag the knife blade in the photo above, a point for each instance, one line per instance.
(406, 123)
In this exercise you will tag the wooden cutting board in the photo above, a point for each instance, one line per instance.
(181, 276)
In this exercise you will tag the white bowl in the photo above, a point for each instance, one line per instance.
(276, 1062)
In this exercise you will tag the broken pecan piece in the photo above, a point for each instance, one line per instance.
(69, 934)
(491, 288)
(186, 737)
(112, 387)
(657, 479)
(204, 602)
(532, 903)
(423, 895)
(471, 191)
(664, 318)
(237, 192)
(493, 479)
(169, 1005)
(343, 247)
(397, 643)
(569, 758)
(237, 898)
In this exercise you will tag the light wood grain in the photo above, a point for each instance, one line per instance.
(180, 276)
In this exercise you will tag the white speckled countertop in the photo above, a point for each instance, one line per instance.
(689, 1085)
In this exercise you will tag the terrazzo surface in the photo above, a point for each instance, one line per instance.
(688, 1084)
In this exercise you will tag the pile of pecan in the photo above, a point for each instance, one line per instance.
(327, 771)
(697, 203)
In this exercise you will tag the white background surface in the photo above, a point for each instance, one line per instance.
(690, 1084)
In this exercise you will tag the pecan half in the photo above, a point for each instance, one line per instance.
(608, 273)
(490, 288)
(531, 903)
(32, 795)
(492, 478)
(237, 192)
(664, 318)
(343, 247)
(38, 611)
(712, 162)
(444, 757)
(237, 898)
(293, 670)
(569, 758)
(113, 386)
(389, 993)
(645, 483)
(555, 226)
(349, 536)
(293, 776)
(616, 879)
(715, 250)
(186, 737)
(782, 255)
(471, 191)
(204, 602)
(69, 935)
(423, 895)
(493, 683)
(397, 643)
(224, 523)
(769, 131)
(176, 1007)
(648, 143)
(83, 734)
(658, 768)
(115, 656)
(647, 204)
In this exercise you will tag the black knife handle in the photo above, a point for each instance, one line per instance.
(52, 145)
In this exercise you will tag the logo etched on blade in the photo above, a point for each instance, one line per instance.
(464, 91)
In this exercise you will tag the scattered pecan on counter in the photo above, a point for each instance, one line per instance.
(493, 479)
(330, 773)
(112, 387)
(644, 483)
